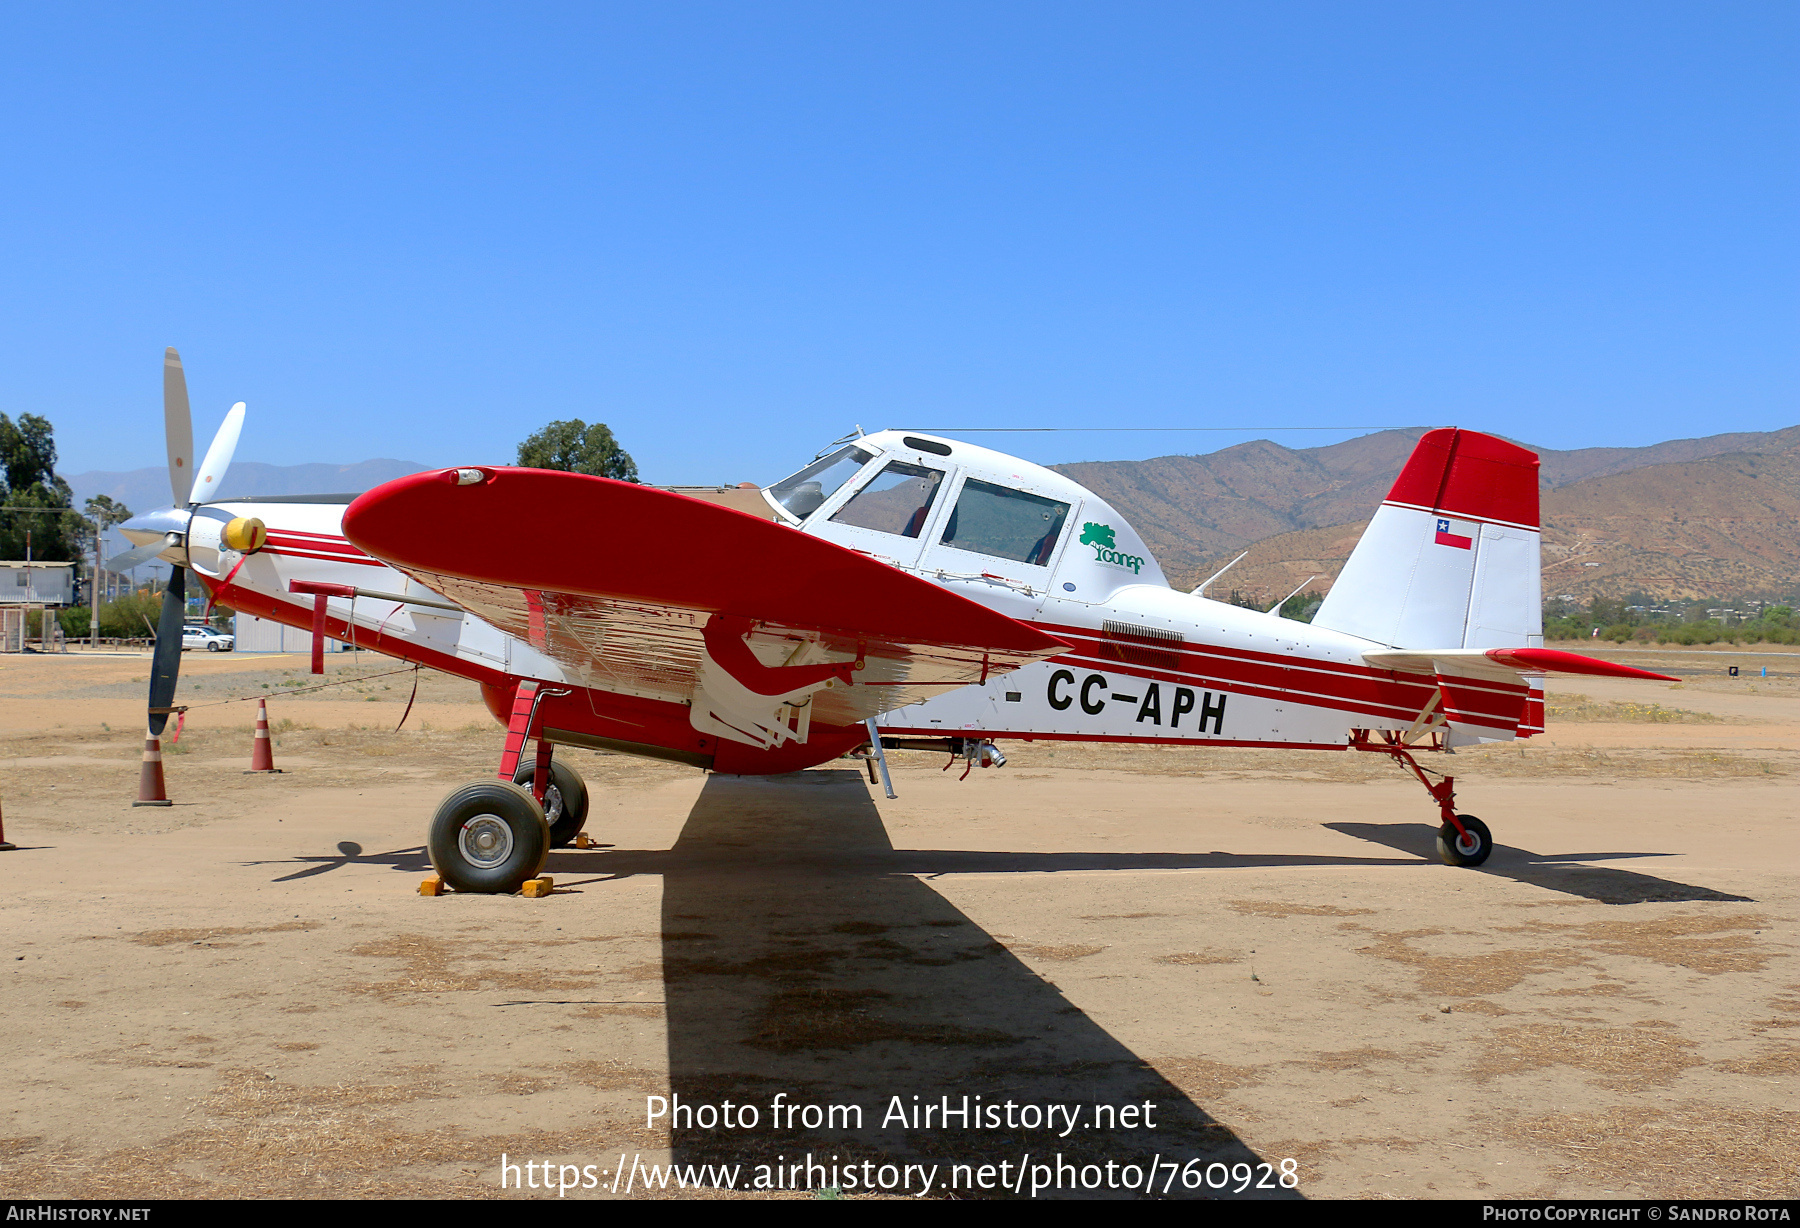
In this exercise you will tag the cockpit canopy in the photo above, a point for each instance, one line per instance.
(955, 509)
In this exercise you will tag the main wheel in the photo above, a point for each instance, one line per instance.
(488, 837)
(565, 800)
(1458, 849)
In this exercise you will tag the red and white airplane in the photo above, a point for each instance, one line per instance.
(901, 591)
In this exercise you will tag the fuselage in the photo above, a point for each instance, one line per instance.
(1146, 663)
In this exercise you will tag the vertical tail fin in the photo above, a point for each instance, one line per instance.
(1451, 558)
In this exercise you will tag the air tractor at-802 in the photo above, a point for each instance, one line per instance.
(901, 591)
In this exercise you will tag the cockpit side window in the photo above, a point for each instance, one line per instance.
(896, 500)
(1007, 524)
(805, 492)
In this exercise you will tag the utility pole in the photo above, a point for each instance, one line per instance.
(94, 595)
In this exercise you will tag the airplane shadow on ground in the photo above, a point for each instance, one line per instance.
(1552, 871)
(799, 959)
(409, 861)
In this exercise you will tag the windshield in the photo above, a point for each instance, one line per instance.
(803, 493)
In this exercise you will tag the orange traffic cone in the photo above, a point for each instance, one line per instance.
(262, 753)
(151, 791)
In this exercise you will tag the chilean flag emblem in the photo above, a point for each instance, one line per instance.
(1446, 538)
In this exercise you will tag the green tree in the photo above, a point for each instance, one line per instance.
(576, 447)
(34, 500)
(1303, 607)
(27, 451)
(106, 512)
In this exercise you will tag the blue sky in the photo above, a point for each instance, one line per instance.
(732, 231)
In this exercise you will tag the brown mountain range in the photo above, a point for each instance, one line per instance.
(1689, 518)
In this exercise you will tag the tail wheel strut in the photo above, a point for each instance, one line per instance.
(1463, 839)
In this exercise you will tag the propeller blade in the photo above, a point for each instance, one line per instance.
(178, 427)
(218, 457)
(165, 666)
(137, 556)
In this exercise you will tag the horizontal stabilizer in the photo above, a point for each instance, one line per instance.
(1505, 663)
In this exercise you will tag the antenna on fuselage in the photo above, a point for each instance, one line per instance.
(1201, 591)
(1291, 595)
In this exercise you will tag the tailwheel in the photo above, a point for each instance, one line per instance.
(488, 837)
(1469, 847)
(565, 800)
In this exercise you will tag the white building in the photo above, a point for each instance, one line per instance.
(255, 634)
(44, 584)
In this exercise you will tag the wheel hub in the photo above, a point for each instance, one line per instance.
(1467, 842)
(485, 841)
(553, 805)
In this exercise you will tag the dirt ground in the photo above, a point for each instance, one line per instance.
(243, 994)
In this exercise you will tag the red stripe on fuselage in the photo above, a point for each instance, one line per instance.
(1325, 684)
(361, 560)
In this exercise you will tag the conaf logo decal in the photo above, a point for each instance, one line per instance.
(1100, 537)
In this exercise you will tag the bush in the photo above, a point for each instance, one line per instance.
(132, 616)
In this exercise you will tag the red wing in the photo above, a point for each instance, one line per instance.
(616, 583)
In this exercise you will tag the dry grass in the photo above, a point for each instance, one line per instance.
(164, 938)
(1686, 1151)
(437, 965)
(1777, 1060)
(1625, 1059)
(1067, 951)
(1543, 762)
(1348, 1059)
(1471, 973)
(1700, 942)
(1562, 708)
(1506, 759)
(1203, 1080)
(261, 1137)
(1276, 908)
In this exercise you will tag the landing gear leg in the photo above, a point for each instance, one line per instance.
(1463, 840)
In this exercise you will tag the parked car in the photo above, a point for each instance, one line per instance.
(207, 638)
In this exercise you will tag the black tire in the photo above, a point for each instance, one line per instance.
(1453, 848)
(488, 838)
(565, 800)
(214, 647)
